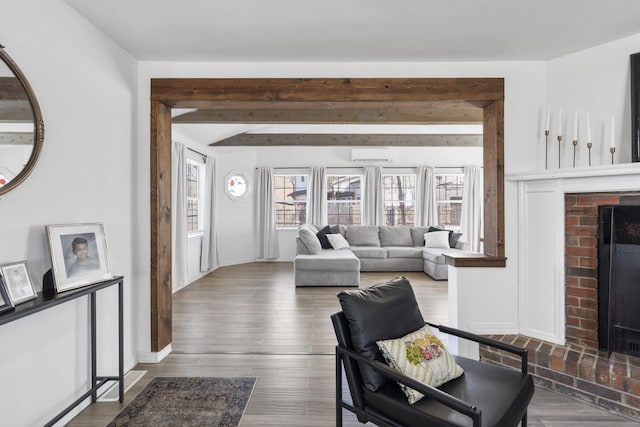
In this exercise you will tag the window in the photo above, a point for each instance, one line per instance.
(399, 199)
(344, 201)
(195, 191)
(290, 200)
(449, 199)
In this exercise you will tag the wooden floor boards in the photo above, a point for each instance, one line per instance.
(250, 320)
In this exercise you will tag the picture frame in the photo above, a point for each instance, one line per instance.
(18, 283)
(5, 301)
(79, 255)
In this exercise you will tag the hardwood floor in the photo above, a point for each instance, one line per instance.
(250, 320)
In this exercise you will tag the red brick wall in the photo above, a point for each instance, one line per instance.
(581, 263)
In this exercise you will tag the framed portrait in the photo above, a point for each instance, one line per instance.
(5, 302)
(79, 255)
(18, 283)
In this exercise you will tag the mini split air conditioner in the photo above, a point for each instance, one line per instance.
(370, 156)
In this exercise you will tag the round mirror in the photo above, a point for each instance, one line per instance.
(21, 125)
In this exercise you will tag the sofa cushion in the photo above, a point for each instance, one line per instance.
(421, 356)
(369, 252)
(322, 236)
(307, 234)
(328, 259)
(403, 252)
(453, 236)
(383, 311)
(394, 236)
(417, 235)
(433, 254)
(362, 235)
(337, 241)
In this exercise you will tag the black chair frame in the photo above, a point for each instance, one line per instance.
(369, 414)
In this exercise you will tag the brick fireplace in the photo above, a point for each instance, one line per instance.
(578, 368)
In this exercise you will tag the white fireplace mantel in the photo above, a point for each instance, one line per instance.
(623, 169)
(541, 238)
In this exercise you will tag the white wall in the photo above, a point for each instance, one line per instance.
(85, 85)
(594, 81)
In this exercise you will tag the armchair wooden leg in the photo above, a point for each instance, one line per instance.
(524, 420)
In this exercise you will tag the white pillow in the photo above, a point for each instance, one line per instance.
(337, 241)
(437, 239)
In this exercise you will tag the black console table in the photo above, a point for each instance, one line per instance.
(48, 299)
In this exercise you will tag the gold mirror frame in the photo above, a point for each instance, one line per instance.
(38, 124)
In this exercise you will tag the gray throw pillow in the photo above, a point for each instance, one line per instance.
(310, 240)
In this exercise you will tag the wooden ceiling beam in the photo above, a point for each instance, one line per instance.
(431, 115)
(350, 140)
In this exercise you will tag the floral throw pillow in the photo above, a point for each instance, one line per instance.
(421, 356)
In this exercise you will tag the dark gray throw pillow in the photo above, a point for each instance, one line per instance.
(322, 236)
(453, 236)
(383, 311)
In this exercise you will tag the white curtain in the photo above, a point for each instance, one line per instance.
(266, 219)
(372, 200)
(209, 257)
(179, 217)
(426, 208)
(317, 197)
(472, 206)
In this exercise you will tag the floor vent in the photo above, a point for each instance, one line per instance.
(113, 393)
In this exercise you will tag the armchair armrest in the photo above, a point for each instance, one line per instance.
(519, 351)
(432, 392)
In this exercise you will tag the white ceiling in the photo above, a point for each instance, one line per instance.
(353, 31)
(359, 30)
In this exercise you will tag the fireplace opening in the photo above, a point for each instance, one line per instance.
(619, 279)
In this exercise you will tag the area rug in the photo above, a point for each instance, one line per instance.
(188, 401)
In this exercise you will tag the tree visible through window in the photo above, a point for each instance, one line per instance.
(449, 199)
(290, 200)
(344, 199)
(399, 199)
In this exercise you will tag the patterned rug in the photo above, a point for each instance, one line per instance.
(188, 401)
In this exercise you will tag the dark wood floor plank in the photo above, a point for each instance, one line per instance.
(250, 320)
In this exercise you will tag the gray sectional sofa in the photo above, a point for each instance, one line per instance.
(371, 248)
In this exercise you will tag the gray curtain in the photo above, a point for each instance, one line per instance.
(179, 217)
(426, 208)
(267, 239)
(472, 207)
(317, 197)
(209, 258)
(372, 200)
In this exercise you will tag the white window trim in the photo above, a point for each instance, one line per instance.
(359, 172)
(415, 195)
(201, 189)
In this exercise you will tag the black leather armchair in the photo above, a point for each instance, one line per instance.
(485, 395)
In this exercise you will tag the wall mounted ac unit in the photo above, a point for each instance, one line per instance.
(370, 156)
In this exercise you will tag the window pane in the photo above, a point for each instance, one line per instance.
(290, 197)
(449, 199)
(343, 187)
(192, 215)
(399, 192)
(345, 213)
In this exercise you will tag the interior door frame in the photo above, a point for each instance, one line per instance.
(264, 93)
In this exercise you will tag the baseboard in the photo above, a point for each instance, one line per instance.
(154, 357)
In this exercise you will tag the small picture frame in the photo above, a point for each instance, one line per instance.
(17, 282)
(5, 301)
(79, 255)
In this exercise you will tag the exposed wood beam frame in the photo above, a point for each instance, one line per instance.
(264, 94)
(349, 140)
(395, 115)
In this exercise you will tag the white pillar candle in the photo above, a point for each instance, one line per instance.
(548, 117)
(588, 128)
(613, 132)
(560, 122)
(575, 127)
